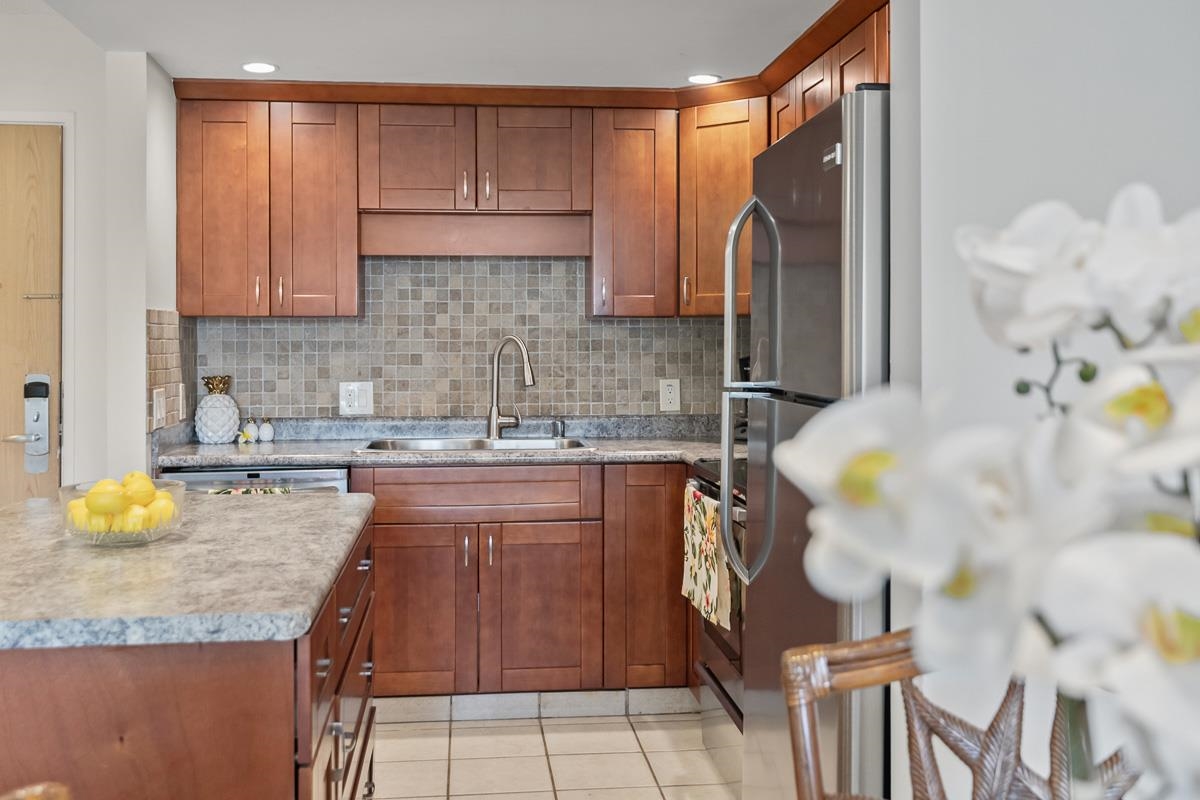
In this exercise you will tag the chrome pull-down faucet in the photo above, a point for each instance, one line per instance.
(496, 421)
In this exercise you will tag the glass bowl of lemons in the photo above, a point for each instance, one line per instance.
(135, 510)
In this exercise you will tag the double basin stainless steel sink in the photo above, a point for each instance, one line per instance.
(451, 444)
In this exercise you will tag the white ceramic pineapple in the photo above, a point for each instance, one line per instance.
(217, 413)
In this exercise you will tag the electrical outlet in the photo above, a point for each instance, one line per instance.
(183, 402)
(668, 394)
(158, 403)
(356, 398)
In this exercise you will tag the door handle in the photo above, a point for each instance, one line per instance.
(23, 438)
(464, 184)
(281, 290)
(732, 242)
(487, 184)
(726, 510)
(603, 292)
(687, 290)
(489, 550)
(466, 551)
(257, 288)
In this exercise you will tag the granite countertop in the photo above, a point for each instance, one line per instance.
(341, 452)
(240, 568)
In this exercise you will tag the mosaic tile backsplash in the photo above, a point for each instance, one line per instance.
(426, 337)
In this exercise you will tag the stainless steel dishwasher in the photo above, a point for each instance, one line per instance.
(263, 480)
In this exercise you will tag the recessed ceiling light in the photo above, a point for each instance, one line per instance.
(703, 79)
(259, 67)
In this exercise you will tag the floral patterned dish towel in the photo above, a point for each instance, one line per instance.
(705, 574)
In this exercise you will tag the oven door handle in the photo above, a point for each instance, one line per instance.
(745, 574)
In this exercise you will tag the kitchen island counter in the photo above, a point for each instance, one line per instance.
(239, 569)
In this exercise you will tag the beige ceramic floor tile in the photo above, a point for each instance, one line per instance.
(603, 771)
(699, 793)
(460, 724)
(417, 741)
(611, 794)
(683, 768)
(612, 737)
(495, 775)
(506, 796)
(663, 717)
(671, 735)
(549, 721)
(410, 779)
(522, 740)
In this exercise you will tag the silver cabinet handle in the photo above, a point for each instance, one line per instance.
(323, 665)
(687, 290)
(466, 551)
(257, 288)
(280, 290)
(604, 291)
(464, 184)
(368, 669)
(489, 551)
(23, 438)
(364, 565)
(344, 615)
(487, 184)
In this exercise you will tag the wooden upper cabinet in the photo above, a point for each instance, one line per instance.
(634, 216)
(717, 146)
(314, 209)
(416, 157)
(541, 623)
(814, 87)
(223, 260)
(783, 110)
(534, 159)
(854, 57)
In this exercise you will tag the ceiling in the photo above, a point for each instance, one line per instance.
(637, 43)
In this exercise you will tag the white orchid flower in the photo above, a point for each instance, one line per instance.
(1182, 329)
(1127, 606)
(1126, 421)
(1045, 242)
(857, 461)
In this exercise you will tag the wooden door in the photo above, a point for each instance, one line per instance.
(814, 87)
(645, 614)
(634, 220)
(854, 57)
(783, 110)
(425, 618)
(314, 209)
(541, 624)
(717, 146)
(535, 159)
(223, 175)
(30, 296)
(419, 158)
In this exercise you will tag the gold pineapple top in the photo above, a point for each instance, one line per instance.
(217, 384)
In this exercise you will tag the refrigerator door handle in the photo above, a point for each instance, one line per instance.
(732, 241)
(745, 574)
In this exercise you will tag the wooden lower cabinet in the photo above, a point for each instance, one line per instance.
(645, 614)
(540, 597)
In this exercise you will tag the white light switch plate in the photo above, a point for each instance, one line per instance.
(356, 398)
(668, 394)
(158, 401)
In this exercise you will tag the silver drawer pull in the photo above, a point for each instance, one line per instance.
(368, 669)
(349, 739)
(489, 550)
(323, 665)
(344, 614)
(364, 565)
(464, 184)
(466, 551)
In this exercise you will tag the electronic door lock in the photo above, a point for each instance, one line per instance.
(36, 437)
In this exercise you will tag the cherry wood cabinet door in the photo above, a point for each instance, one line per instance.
(534, 159)
(717, 146)
(814, 87)
(314, 209)
(223, 214)
(645, 614)
(416, 157)
(634, 260)
(541, 624)
(783, 110)
(854, 57)
(425, 609)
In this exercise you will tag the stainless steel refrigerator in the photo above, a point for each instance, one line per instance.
(817, 332)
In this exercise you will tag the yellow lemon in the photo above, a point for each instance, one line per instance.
(160, 512)
(140, 491)
(77, 513)
(136, 475)
(99, 523)
(106, 497)
(131, 520)
(161, 493)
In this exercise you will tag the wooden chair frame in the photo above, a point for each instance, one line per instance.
(813, 673)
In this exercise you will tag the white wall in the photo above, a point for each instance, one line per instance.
(46, 65)
(160, 188)
(1020, 101)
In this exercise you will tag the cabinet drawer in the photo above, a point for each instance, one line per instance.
(487, 494)
(360, 768)
(356, 690)
(352, 590)
(317, 673)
